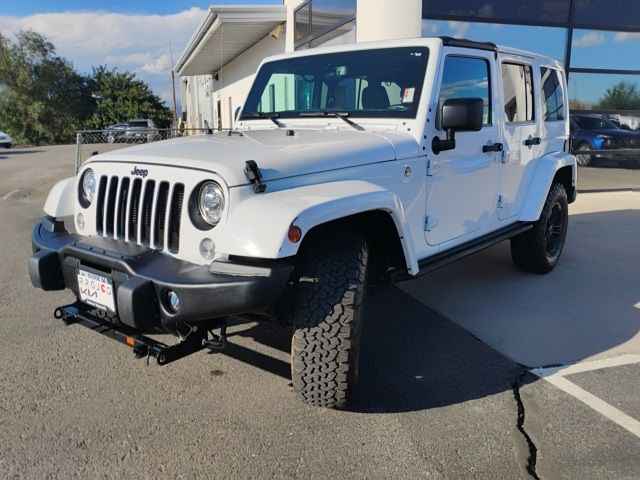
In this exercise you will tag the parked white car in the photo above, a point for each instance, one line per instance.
(351, 165)
(5, 140)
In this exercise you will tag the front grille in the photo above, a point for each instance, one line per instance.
(140, 211)
(626, 142)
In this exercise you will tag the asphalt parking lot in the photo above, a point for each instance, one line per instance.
(476, 371)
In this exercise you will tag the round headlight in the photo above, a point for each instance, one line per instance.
(211, 202)
(87, 187)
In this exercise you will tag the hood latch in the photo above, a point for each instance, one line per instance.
(253, 174)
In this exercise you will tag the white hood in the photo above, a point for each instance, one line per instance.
(277, 154)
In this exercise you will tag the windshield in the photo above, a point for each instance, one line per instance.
(365, 83)
(594, 123)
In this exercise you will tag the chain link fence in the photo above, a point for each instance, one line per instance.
(92, 142)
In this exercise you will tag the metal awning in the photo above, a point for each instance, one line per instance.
(225, 33)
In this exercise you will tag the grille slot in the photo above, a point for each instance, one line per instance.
(174, 218)
(133, 210)
(144, 212)
(161, 214)
(122, 207)
(111, 206)
(102, 191)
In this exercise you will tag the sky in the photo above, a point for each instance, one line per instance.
(130, 35)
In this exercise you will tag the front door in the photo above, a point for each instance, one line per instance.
(521, 136)
(462, 183)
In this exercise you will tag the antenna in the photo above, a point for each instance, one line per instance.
(173, 87)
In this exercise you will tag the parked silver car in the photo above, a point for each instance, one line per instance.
(5, 140)
(141, 130)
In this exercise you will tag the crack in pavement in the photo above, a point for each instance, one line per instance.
(533, 450)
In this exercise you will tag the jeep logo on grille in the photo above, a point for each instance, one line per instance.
(139, 172)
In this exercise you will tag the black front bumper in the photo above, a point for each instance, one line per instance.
(142, 276)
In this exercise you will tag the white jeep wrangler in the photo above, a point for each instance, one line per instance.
(348, 165)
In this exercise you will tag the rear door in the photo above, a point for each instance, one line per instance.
(520, 132)
(462, 184)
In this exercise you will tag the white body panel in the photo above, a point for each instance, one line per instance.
(328, 170)
(61, 201)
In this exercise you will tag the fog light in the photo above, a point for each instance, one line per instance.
(173, 300)
(207, 248)
(80, 221)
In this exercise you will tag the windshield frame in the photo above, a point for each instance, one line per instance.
(269, 68)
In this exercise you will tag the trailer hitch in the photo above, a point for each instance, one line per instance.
(197, 338)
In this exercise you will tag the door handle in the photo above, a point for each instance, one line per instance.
(496, 147)
(532, 141)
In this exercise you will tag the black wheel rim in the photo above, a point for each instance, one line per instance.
(553, 232)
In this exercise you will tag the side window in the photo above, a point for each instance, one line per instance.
(553, 105)
(517, 87)
(466, 77)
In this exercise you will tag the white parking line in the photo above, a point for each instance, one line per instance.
(10, 194)
(556, 376)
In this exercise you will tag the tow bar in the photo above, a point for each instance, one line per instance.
(197, 339)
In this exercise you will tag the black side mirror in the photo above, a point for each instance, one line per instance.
(458, 115)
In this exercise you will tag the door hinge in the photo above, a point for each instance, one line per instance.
(430, 222)
(501, 201)
(429, 168)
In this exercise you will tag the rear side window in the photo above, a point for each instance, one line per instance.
(517, 86)
(466, 77)
(553, 104)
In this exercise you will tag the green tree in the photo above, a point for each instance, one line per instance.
(621, 96)
(120, 96)
(42, 98)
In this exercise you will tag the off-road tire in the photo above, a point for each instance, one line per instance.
(328, 319)
(538, 250)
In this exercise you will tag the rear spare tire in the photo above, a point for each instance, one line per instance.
(328, 318)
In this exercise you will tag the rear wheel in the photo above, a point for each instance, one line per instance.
(538, 250)
(328, 319)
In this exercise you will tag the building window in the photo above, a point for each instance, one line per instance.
(302, 19)
(600, 49)
(466, 77)
(548, 11)
(319, 21)
(517, 87)
(601, 13)
(552, 95)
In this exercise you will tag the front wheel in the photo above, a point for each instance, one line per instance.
(538, 250)
(328, 319)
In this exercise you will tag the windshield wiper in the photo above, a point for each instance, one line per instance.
(270, 116)
(341, 115)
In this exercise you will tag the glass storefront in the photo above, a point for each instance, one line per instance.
(600, 44)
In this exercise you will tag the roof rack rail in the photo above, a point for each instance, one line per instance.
(461, 42)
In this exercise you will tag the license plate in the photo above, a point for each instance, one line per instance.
(96, 290)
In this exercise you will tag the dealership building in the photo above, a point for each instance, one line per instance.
(597, 43)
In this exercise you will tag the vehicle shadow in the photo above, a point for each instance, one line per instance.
(413, 361)
(413, 358)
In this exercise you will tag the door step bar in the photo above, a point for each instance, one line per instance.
(439, 260)
(197, 339)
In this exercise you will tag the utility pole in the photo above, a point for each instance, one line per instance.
(173, 88)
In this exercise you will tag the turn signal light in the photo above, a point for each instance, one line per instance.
(295, 234)
(131, 341)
